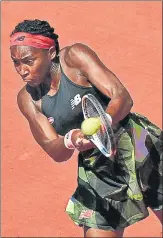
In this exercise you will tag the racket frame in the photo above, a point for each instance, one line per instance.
(94, 138)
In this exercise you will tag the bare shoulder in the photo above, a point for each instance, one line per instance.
(23, 96)
(79, 48)
(79, 53)
(25, 102)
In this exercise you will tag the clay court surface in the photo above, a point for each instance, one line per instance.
(127, 38)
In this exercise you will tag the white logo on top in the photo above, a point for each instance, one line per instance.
(51, 120)
(75, 101)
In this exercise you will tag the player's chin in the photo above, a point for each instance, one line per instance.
(34, 84)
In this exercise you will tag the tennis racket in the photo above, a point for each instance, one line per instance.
(104, 138)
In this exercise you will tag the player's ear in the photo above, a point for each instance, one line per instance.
(52, 52)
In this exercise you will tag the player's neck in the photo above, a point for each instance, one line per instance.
(55, 78)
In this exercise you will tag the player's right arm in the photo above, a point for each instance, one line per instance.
(43, 132)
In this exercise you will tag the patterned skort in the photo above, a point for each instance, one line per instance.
(115, 193)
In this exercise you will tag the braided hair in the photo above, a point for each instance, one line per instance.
(42, 28)
(39, 27)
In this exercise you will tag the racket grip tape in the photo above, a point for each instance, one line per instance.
(113, 152)
(67, 140)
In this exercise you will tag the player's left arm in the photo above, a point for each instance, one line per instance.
(86, 60)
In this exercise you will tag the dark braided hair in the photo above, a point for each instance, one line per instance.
(39, 27)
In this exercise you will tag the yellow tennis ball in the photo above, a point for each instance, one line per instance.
(90, 126)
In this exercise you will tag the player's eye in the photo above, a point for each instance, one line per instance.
(16, 63)
(29, 62)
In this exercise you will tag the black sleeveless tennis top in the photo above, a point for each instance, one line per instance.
(64, 109)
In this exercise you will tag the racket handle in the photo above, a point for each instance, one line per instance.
(113, 152)
(109, 118)
(67, 140)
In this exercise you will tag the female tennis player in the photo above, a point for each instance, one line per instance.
(111, 194)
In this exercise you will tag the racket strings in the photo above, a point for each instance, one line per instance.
(101, 136)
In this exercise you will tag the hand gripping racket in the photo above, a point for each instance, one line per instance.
(104, 138)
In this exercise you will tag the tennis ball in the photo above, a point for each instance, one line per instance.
(90, 126)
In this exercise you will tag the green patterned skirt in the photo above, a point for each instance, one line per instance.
(114, 193)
